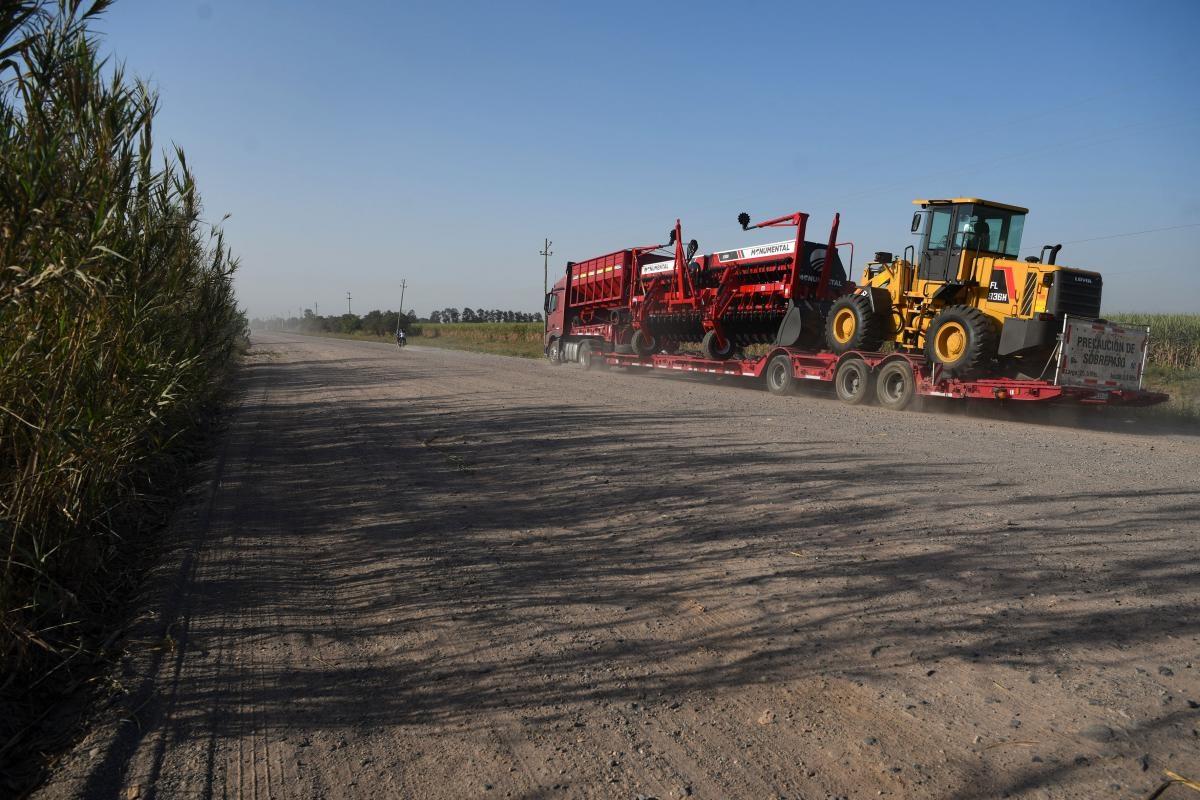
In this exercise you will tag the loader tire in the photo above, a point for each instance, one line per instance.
(962, 340)
(712, 350)
(644, 344)
(852, 325)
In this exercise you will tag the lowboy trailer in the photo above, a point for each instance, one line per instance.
(1096, 363)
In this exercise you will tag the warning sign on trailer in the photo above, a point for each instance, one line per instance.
(1099, 355)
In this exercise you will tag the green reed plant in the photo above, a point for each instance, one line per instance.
(117, 323)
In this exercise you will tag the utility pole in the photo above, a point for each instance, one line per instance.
(545, 253)
(348, 311)
(403, 286)
(316, 309)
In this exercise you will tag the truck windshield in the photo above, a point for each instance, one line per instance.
(994, 230)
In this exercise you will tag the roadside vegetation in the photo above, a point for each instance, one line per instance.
(522, 339)
(1174, 363)
(118, 323)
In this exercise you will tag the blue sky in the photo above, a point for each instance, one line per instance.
(359, 143)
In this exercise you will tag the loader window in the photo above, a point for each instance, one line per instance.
(939, 229)
(996, 231)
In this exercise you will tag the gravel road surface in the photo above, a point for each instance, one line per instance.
(436, 574)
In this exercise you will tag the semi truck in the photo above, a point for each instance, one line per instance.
(1090, 361)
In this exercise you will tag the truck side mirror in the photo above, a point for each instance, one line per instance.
(671, 240)
(692, 247)
(916, 223)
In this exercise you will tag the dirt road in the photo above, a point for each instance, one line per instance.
(433, 574)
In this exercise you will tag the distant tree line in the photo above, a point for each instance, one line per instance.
(483, 315)
(379, 323)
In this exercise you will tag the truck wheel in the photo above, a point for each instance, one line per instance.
(852, 325)
(587, 357)
(644, 344)
(895, 385)
(962, 339)
(852, 382)
(712, 350)
(554, 352)
(781, 379)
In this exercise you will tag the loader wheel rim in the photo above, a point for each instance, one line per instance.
(950, 342)
(844, 324)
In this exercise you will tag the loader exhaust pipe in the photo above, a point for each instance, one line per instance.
(1053, 253)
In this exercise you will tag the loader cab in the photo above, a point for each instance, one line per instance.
(948, 228)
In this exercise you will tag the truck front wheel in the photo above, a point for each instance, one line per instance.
(554, 352)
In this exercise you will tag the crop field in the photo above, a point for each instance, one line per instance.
(522, 339)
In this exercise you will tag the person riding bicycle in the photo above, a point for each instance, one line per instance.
(401, 338)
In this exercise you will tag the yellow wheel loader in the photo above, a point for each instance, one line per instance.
(962, 296)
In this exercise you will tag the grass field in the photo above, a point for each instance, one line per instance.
(522, 339)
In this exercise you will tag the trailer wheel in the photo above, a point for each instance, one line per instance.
(962, 339)
(895, 385)
(712, 350)
(852, 325)
(587, 358)
(781, 379)
(852, 382)
(644, 344)
(554, 352)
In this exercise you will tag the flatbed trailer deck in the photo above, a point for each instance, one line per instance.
(895, 380)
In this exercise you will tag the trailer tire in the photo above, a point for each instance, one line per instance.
(554, 352)
(962, 340)
(779, 375)
(895, 385)
(852, 325)
(644, 344)
(853, 382)
(587, 358)
(712, 350)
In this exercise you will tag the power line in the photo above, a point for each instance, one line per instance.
(1135, 233)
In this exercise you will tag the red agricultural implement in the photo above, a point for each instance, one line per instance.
(775, 293)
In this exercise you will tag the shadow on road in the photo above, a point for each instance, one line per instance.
(443, 538)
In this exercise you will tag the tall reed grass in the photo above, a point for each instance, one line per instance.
(1174, 338)
(117, 323)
